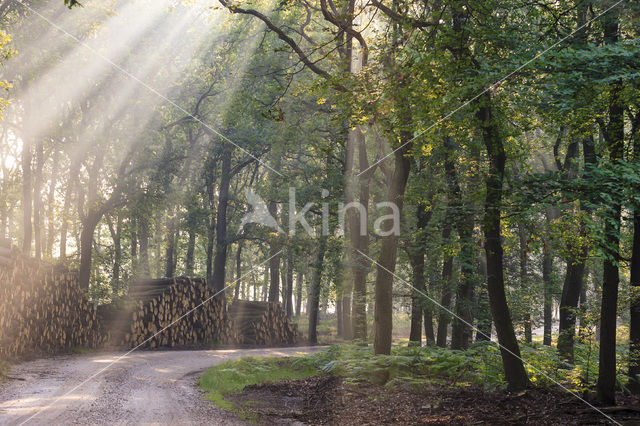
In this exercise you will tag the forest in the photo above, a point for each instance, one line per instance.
(388, 175)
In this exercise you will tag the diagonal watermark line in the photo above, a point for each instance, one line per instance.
(492, 86)
(449, 311)
(96, 374)
(145, 85)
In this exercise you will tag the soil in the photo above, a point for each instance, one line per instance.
(326, 400)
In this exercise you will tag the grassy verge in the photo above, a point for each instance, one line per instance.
(231, 377)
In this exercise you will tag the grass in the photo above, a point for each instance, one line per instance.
(231, 377)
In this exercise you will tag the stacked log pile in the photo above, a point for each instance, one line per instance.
(262, 323)
(42, 308)
(154, 305)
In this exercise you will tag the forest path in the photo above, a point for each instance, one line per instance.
(146, 387)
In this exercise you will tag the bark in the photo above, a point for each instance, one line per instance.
(461, 330)
(171, 255)
(547, 269)
(314, 294)
(361, 262)
(524, 280)
(446, 284)
(634, 281)
(116, 237)
(27, 200)
(51, 199)
(634, 337)
(238, 284)
(37, 200)
(191, 247)
(89, 224)
(220, 259)
(483, 311)
(299, 293)
(568, 310)
(416, 256)
(515, 374)
(387, 258)
(143, 235)
(289, 293)
(614, 135)
(274, 263)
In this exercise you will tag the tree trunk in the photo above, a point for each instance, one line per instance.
(547, 270)
(445, 298)
(483, 310)
(220, 259)
(37, 200)
(610, 276)
(191, 247)
(524, 280)
(634, 282)
(461, 330)
(170, 256)
(238, 284)
(143, 235)
(387, 259)
(416, 256)
(27, 200)
(274, 262)
(299, 294)
(634, 323)
(51, 199)
(89, 224)
(515, 374)
(289, 293)
(314, 294)
(116, 237)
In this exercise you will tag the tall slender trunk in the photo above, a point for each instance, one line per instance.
(515, 374)
(446, 284)
(116, 237)
(170, 253)
(634, 337)
(524, 279)
(238, 283)
(274, 262)
(191, 247)
(605, 388)
(89, 224)
(37, 200)
(463, 219)
(220, 259)
(547, 270)
(51, 199)
(299, 293)
(314, 294)
(416, 257)
(483, 311)
(387, 259)
(27, 199)
(289, 293)
(634, 281)
(143, 235)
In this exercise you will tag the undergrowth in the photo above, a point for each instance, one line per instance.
(231, 377)
(479, 365)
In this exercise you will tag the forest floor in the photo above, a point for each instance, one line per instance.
(327, 400)
(146, 387)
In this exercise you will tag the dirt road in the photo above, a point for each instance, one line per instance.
(147, 387)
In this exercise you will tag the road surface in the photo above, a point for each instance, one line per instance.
(146, 387)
